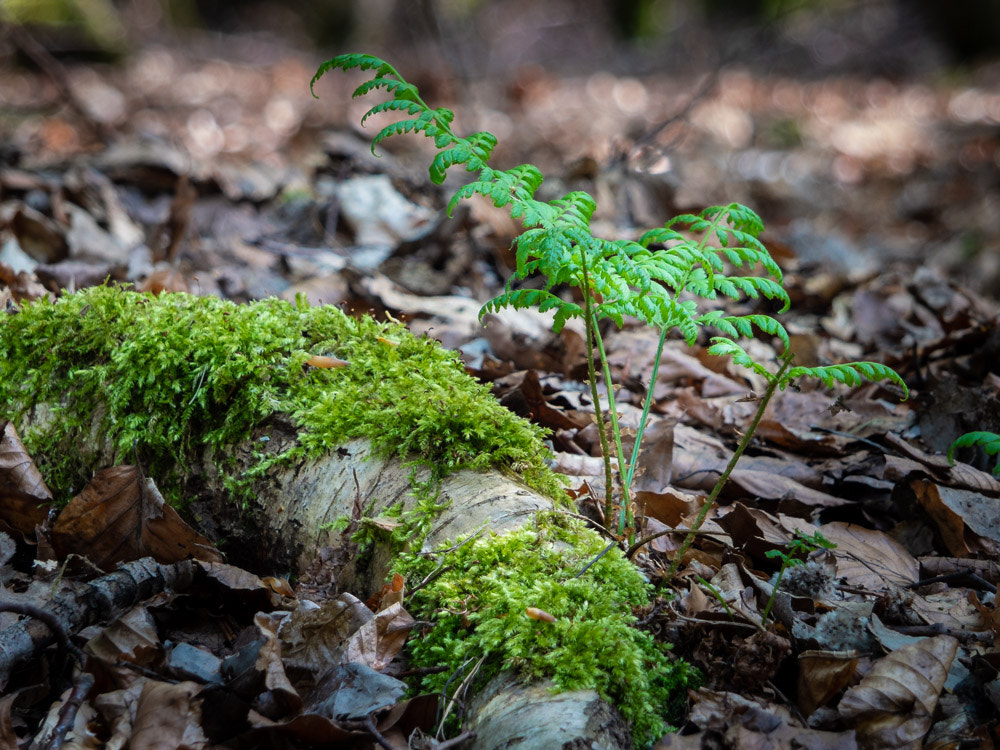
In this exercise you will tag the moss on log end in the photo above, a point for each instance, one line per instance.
(106, 373)
(549, 601)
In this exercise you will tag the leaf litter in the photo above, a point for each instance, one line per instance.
(874, 643)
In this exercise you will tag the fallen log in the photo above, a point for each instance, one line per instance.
(275, 423)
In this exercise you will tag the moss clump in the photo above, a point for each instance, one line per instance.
(479, 604)
(163, 378)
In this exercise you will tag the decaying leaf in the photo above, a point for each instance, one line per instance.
(870, 559)
(22, 489)
(823, 674)
(968, 521)
(121, 516)
(894, 704)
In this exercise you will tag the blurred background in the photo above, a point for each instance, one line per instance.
(863, 131)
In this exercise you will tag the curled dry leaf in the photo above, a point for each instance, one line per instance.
(345, 630)
(323, 362)
(168, 715)
(894, 703)
(968, 521)
(22, 489)
(539, 614)
(121, 516)
(823, 674)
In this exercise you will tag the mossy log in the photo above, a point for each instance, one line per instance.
(234, 413)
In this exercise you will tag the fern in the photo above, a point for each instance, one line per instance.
(988, 441)
(666, 279)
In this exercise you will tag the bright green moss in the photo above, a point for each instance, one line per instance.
(167, 377)
(478, 606)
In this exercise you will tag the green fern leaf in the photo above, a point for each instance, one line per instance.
(850, 374)
(988, 441)
(662, 236)
(399, 89)
(575, 209)
(723, 347)
(736, 326)
(393, 105)
(349, 61)
(541, 299)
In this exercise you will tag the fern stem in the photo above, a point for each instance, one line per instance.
(634, 458)
(772, 386)
(625, 515)
(591, 330)
(774, 592)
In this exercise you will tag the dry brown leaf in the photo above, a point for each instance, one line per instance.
(669, 506)
(8, 737)
(22, 489)
(131, 638)
(578, 465)
(868, 558)
(893, 705)
(950, 608)
(269, 662)
(390, 593)
(121, 516)
(378, 641)
(313, 637)
(654, 468)
(167, 717)
(960, 475)
(732, 589)
(527, 399)
(968, 522)
(990, 615)
(823, 674)
(768, 485)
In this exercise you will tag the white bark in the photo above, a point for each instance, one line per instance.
(294, 504)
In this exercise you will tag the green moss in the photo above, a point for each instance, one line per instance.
(167, 377)
(479, 603)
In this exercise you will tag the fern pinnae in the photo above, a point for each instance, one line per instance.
(851, 374)
(988, 441)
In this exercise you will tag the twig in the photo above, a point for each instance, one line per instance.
(67, 714)
(51, 622)
(462, 687)
(958, 575)
(455, 741)
(925, 631)
(601, 554)
(839, 433)
(369, 724)
(678, 530)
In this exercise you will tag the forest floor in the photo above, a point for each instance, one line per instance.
(192, 168)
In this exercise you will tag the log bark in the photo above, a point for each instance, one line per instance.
(289, 521)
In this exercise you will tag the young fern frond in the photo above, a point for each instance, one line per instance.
(988, 441)
(659, 280)
(851, 374)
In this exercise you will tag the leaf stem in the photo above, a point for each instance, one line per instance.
(773, 383)
(588, 317)
(634, 458)
(625, 515)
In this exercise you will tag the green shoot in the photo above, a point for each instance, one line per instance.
(796, 551)
(988, 441)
